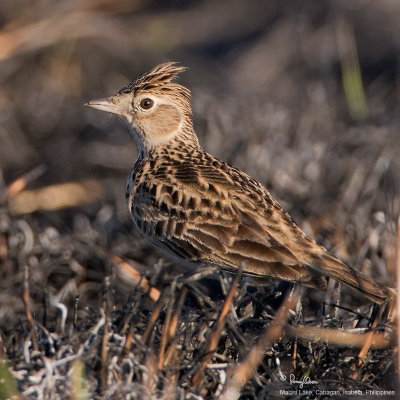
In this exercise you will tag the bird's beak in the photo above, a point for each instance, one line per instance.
(110, 104)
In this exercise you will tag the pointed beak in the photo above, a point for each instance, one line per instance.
(110, 104)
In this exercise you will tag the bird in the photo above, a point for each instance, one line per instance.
(203, 211)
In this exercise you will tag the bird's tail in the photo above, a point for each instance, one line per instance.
(330, 266)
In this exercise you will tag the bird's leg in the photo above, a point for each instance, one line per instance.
(201, 272)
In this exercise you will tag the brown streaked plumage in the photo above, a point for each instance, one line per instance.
(201, 210)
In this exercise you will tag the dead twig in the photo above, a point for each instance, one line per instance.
(28, 313)
(127, 345)
(366, 346)
(57, 197)
(377, 340)
(104, 342)
(243, 371)
(219, 325)
(154, 316)
(129, 273)
(167, 328)
(175, 316)
(19, 184)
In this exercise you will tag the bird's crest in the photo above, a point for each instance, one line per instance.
(160, 76)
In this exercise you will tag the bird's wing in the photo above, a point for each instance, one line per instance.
(213, 213)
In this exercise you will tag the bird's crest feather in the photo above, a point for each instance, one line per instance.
(159, 76)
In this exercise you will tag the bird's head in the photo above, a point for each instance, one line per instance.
(157, 110)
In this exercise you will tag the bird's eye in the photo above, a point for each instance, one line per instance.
(146, 103)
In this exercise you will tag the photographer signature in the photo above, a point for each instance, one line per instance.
(305, 381)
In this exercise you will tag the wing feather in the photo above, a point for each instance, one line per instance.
(227, 229)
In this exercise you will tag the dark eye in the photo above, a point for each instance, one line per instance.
(146, 103)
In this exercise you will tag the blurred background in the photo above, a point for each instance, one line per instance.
(304, 96)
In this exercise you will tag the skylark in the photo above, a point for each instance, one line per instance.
(201, 210)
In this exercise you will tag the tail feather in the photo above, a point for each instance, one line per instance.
(336, 269)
